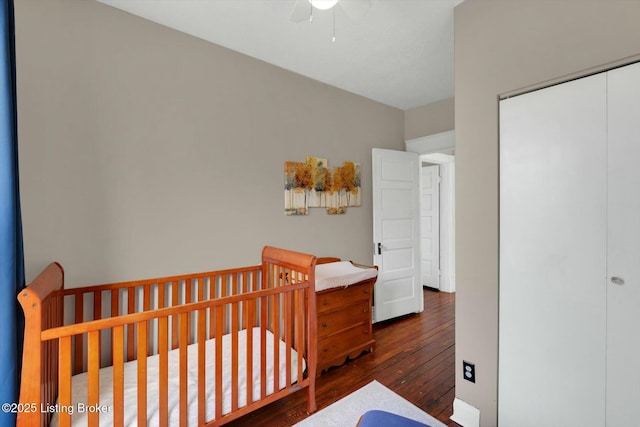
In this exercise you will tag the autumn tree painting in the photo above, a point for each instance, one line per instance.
(322, 185)
(295, 197)
(312, 184)
(345, 188)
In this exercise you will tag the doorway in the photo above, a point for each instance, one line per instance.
(438, 261)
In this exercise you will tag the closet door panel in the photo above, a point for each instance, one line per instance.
(623, 248)
(552, 256)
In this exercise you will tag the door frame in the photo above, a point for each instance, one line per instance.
(439, 148)
(430, 223)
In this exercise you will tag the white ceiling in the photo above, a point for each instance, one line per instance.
(399, 53)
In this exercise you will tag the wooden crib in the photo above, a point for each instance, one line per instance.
(197, 349)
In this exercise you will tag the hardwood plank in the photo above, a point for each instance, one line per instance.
(414, 357)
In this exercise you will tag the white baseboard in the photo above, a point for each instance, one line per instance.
(465, 414)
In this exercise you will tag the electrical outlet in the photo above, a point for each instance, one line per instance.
(469, 371)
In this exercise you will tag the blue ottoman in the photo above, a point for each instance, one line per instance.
(377, 418)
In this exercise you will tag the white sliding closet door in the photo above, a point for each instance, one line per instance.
(553, 183)
(570, 254)
(623, 249)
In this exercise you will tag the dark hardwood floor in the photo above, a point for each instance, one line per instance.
(414, 357)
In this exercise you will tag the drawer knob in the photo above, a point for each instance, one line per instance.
(325, 302)
(324, 324)
(365, 310)
(366, 291)
(325, 349)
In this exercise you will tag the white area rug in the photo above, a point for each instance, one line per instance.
(347, 411)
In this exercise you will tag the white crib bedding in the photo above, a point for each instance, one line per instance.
(341, 274)
(79, 382)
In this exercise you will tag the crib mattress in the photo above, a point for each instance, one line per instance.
(341, 274)
(79, 382)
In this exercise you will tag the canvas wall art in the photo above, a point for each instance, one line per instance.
(314, 184)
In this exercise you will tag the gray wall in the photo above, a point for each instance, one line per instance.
(429, 119)
(144, 151)
(504, 46)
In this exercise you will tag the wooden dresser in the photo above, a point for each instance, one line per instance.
(344, 323)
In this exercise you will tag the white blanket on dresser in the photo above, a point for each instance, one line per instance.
(79, 382)
(341, 274)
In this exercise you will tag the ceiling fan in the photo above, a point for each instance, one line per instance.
(303, 9)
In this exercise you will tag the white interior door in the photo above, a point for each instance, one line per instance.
(553, 190)
(623, 247)
(430, 226)
(396, 227)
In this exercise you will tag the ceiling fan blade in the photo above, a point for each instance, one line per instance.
(301, 11)
(355, 8)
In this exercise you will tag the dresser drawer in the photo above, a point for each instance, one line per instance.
(335, 321)
(342, 343)
(331, 300)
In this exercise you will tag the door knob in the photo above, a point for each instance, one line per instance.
(617, 280)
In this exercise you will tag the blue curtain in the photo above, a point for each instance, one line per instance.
(11, 254)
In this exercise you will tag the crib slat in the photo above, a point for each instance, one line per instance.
(243, 324)
(187, 290)
(200, 282)
(161, 296)
(183, 369)
(143, 339)
(146, 306)
(131, 300)
(224, 293)
(146, 302)
(223, 287)
(97, 305)
(280, 276)
(97, 308)
(163, 351)
(115, 302)
(93, 368)
(174, 320)
(202, 318)
(301, 312)
(187, 300)
(79, 339)
(234, 356)
(264, 301)
(275, 328)
(64, 378)
(131, 306)
(118, 376)
(218, 336)
(250, 316)
(287, 334)
(212, 295)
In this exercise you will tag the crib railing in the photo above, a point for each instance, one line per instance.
(118, 299)
(291, 296)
